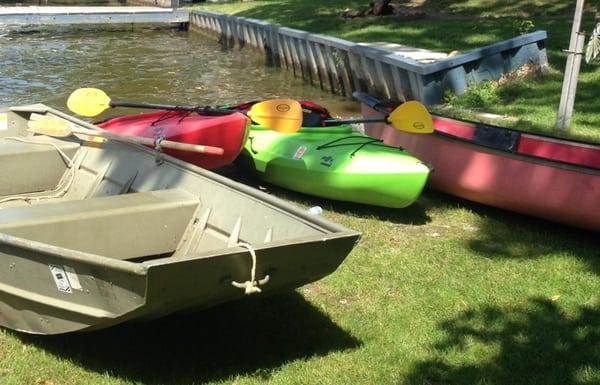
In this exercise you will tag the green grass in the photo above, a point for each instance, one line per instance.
(462, 26)
(443, 292)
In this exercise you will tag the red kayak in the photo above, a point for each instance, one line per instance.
(226, 131)
(550, 178)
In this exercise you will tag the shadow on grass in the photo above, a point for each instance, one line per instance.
(506, 234)
(505, 238)
(532, 344)
(415, 214)
(251, 337)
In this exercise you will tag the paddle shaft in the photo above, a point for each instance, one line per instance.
(336, 122)
(209, 150)
(155, 106)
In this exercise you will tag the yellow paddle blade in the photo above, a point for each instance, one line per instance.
(88, 101)
(411, 116)
(281, 115)
(48, 125)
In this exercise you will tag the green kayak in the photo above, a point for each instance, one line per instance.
(336, 163)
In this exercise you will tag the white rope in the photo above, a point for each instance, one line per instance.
(58, 191)
(251, 286)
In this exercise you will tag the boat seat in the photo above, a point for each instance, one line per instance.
(32, 167)
(125, 226)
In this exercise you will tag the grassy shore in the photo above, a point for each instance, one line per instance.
(463, 25)
(443, 292)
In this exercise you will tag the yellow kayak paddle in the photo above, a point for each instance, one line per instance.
(281, 115)
(410, 117)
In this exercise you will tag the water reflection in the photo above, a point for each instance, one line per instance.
(153, 65)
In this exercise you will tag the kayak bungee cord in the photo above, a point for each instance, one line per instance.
(373, 141)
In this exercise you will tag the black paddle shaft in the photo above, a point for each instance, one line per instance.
(336, 122)
(153, 106)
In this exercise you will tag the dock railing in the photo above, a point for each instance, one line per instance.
(343, 67)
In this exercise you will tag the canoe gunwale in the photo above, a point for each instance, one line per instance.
(527, 133)
(518, 155)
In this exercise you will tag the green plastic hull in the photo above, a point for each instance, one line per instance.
(337, 163)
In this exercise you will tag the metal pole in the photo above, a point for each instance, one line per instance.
(567, 96)
(174, 4)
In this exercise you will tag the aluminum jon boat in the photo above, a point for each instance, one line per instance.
(537, 175)
(93, 234)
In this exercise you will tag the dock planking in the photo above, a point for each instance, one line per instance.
(34, 15)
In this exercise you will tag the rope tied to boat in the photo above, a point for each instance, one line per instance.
(251, 286)
(58, 191)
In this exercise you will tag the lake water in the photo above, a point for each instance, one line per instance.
(137, 64)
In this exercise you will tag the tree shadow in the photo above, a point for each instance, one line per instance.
(511, 235)
(506, 234)
(415, 214)
(535, 343)
(251, 337)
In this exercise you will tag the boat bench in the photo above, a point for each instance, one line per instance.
(121, 226)
(32, 167)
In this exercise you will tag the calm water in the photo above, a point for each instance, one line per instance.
(156, 65)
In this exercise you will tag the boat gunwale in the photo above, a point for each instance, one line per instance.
(528, 133)
(514, 153)
(521, 156)
(73, 255)
(229, 251)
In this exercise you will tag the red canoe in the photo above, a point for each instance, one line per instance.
(549, 178)
(226, 131)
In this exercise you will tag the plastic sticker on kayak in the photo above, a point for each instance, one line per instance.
(60, 278)
(3, 122)
(299, 152)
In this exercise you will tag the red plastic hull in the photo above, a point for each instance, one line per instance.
(554, 179)
(225, 131)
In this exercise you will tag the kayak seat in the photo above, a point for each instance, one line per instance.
(127, 226)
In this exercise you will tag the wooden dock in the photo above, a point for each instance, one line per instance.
(34, 15)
